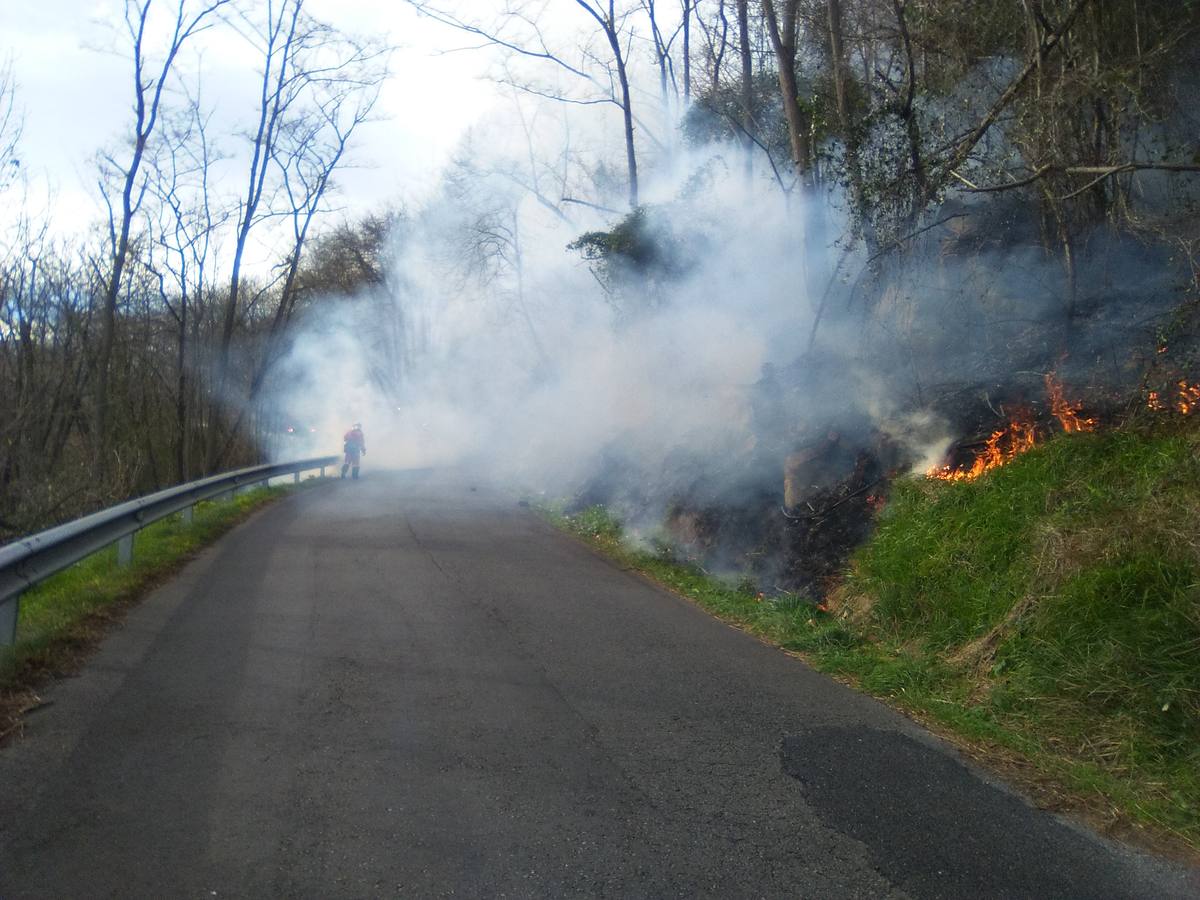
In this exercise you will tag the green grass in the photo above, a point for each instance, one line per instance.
(58, 615)
(1063, 594)
(1050, 610)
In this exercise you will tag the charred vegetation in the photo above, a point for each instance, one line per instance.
(980, 360)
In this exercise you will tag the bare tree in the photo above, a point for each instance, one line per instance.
(149, 82)
(317, 85)
(668, 84)
(46, 300)
(183, 226)
(11, 126)
(716, 39)
(687, 9)
(279, 87)
(312, 150)
(606, 17)
(486, 240)
(533, 44)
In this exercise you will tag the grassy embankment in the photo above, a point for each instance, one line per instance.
(63, 616)
(1047, 615)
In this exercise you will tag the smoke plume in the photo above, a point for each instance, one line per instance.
(498, 349)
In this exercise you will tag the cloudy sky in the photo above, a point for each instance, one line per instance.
(70, 62)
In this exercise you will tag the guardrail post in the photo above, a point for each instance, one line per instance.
(295, 478)
(322, 471)
(125, 551)
(187, 514)
(8, 620)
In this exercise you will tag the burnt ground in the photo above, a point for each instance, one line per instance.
(790, 512)
(808, 501)
(798, 535)
(802, 550)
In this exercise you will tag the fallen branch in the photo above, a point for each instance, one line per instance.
(588, 203)
(897, 242)
(825, 511)
(1108, 172)
(1012, 185)
(1101, 173)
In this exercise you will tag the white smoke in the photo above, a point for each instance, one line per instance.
(538, 389)
(517, 362)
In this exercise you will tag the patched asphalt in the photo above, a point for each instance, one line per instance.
(410, 686)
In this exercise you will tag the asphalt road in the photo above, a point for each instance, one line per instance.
(405, 687)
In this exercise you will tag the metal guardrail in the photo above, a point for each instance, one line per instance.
(27, 562)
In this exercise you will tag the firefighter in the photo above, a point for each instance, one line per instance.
(355, 447)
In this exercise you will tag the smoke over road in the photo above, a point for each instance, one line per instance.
(692, 375)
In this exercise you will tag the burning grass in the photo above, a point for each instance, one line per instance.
(1183, 398)
(1018, 436)
(1002, 446)
(1065, 412)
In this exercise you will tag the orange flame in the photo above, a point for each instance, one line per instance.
(1189, 398)
(1020, 435)
(1066, 413)
(1185, 402)
(1002, 447)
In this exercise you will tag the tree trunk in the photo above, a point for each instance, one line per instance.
(743, 17)
(145, 117)
(626, 106)
(181, 389)
(281, 41)
(687, 53)
(783, 41)
(608, 22)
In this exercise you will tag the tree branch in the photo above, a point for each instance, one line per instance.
(976, 135)
(1101, 173)
(453, 21)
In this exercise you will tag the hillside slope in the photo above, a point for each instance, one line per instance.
(1056, 602)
